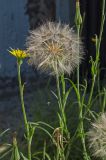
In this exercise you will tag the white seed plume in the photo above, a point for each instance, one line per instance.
(54, 48)
(4, 147)
(97, 137)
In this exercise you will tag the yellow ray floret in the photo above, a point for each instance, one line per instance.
(19, 53)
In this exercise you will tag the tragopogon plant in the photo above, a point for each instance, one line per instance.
(55, 49)
(97, 137)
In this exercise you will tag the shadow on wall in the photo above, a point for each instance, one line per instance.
(40, 11)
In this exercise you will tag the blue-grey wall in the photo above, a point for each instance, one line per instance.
(65, 10)
(13, 31)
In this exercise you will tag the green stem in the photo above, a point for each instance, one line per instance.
(29, 149)
(81, 124)
(91, 92)
(98, 84)
(62, 120)
(58, 92)
(104, 101)
(60, 113)
(19, 62)
(78, 31)
(57, 155)
(82, 134)
(102, 26)
(21, 95)
(98, 45)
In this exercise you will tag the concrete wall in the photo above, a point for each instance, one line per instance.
(13, 31)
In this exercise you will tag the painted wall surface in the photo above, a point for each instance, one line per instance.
(13, 32)
(14, 29)
(65, 10)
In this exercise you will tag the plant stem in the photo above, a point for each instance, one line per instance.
(62, 118)
(102, 26)
(81, 124)
(21, 87)
(29, 149)
(104, 101)
(91, 92)
(58, 91)
(82, 134)
(78, 32)
(61, 104)
(99, 43)
(96, 62)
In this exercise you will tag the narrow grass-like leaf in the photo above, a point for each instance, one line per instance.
(1, 134)
(6, 154)
(23, 157)
(40, 122)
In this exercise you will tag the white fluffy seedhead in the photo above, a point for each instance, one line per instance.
(54, 48)
(97, 137)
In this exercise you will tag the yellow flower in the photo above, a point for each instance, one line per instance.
(19, 53)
